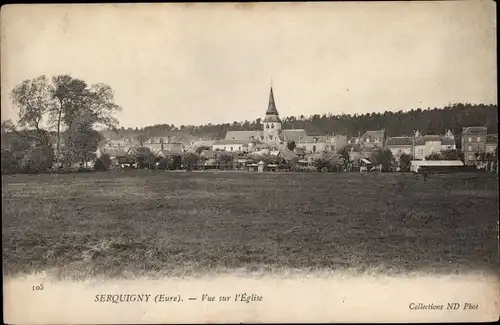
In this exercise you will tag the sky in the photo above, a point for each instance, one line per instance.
(193, 64)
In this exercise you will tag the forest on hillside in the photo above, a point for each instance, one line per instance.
(427, 121)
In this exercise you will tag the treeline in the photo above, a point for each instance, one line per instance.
(427, 121)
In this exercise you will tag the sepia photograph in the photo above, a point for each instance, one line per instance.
(250, 162)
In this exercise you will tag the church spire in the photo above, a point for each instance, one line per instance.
(271, 108)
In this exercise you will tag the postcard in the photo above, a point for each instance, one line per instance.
(250, 163)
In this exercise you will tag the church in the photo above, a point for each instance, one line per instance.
(272, 133)
(273, 136)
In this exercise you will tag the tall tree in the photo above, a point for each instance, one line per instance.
(190, 160)
(81, 139)
(74, 101)
(144, 157)
(69, 96)
(344, 156)
(383, 157)
(101, 105)
(32, 98)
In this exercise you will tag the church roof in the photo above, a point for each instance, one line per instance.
(239, 141)
(294, 134)
(241, 135)
(271, 108)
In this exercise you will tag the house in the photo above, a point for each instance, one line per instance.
(208, 158)
(429, 144)
(244, 135)
(112, 153)
(124, 162)
(357, 152)
(156, 144)
(354, 140)
(372, 139)
(231, 145)
(118, 157)
(260, 147)
(338, 142)
(286, 154)
(117, 147)
(174, 148)
(120, 143)
(473, 143)
(399, 146)
(202, 143)
(293, 135)
(168, 153)
(314, 144)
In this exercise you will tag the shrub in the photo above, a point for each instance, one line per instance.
(103, 162)
(10, 164)
(38, 160)
(163, 163)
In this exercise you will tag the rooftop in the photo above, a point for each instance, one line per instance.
(294, 134)
(373, 135)
(313, 139)
(445, 140)
(400, 141)
(241, 135)
(169, 152)
(475, 130)
(115, 152)
(231, 142)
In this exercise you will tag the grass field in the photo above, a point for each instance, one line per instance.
(136, 223)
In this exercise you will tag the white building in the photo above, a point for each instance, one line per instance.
(428, 144)
(400, 145)
(315, 144)
(231, 145)
(417, 164)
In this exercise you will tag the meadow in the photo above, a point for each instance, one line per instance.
(136, 223)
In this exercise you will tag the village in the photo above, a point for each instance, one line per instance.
(277, 149)
(222, 157)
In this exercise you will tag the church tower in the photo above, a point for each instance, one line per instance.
(272, 122)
